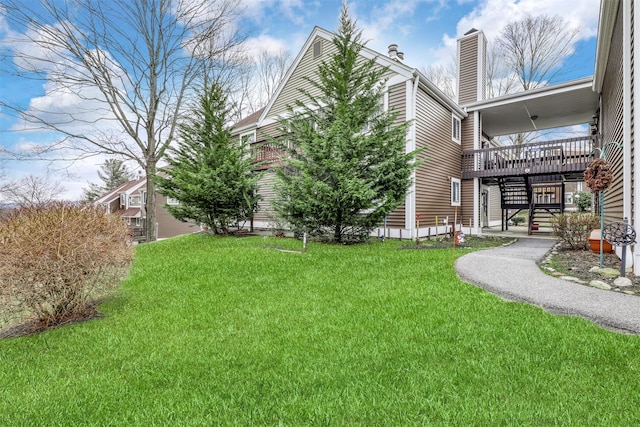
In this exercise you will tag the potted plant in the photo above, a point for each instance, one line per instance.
(594, 242)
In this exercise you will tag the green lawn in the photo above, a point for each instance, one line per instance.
(213, 331)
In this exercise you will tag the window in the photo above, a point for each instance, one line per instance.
(134, 201)
(455, 129)
(568, 198)
(317, 49)
(173, 202)
(123, 200)
(248, 138)
(545, 198)
(455, 192)
(381, 109)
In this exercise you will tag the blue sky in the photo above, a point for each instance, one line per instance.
(425, 30)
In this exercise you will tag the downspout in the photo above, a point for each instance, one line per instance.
(410, 211)
(635, 184)
(627, 186)
(477, 208)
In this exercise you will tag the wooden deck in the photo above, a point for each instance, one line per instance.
(568, 157)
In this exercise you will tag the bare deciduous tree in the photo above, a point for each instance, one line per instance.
(529, 53)
(444, 77)
(271, 69)
(120, 71)
(501, 80)
(257, 80)
(534, 47)
(31, 191)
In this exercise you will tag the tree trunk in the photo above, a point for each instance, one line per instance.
(150, 207)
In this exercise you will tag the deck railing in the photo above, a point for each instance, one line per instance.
(265, 152)
(571, 155)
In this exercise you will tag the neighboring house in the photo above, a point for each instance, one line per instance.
(570, 194)
(468, 176)
(129, 200)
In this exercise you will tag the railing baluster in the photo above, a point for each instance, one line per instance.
(546, 157)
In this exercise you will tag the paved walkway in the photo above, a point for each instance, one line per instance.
(512, 273)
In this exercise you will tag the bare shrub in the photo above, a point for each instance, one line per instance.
(574, 229)
(57, 260)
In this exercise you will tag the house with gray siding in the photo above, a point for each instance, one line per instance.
(619, 95)
(437, 126)
(467, 176)
(128, 201)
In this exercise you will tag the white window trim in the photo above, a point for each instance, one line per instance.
(251, 137)
(455, 182)
(317, 54)
(172, 202)
(456, 129)
(568, 198)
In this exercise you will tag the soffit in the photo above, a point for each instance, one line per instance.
(566, 104)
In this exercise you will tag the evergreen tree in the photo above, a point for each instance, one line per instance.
(582, 200)
(209, 173)
(113, 174)
(346, 167)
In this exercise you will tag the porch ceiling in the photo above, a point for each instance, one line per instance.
(555, 106)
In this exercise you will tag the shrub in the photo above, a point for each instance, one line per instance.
(517, 220)
(573, 229)
(57, 260)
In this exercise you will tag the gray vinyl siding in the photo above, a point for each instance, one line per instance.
(398, 104)
(467, 207)
(265, 185)
(268, 130)
(267, 192)
(307, 67)
(468, 79)
(433, 178)
(613, 121)
(632, 160)
(467, 132)
(168, 226)
(495, 208)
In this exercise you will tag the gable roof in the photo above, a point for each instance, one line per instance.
(248, 122)
(392, 64)
(127, 187)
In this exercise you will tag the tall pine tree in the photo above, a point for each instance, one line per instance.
(113, 174)
(209, 173)
(346, 167)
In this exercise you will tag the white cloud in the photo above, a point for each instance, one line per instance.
(264, 42)
(491, 17)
